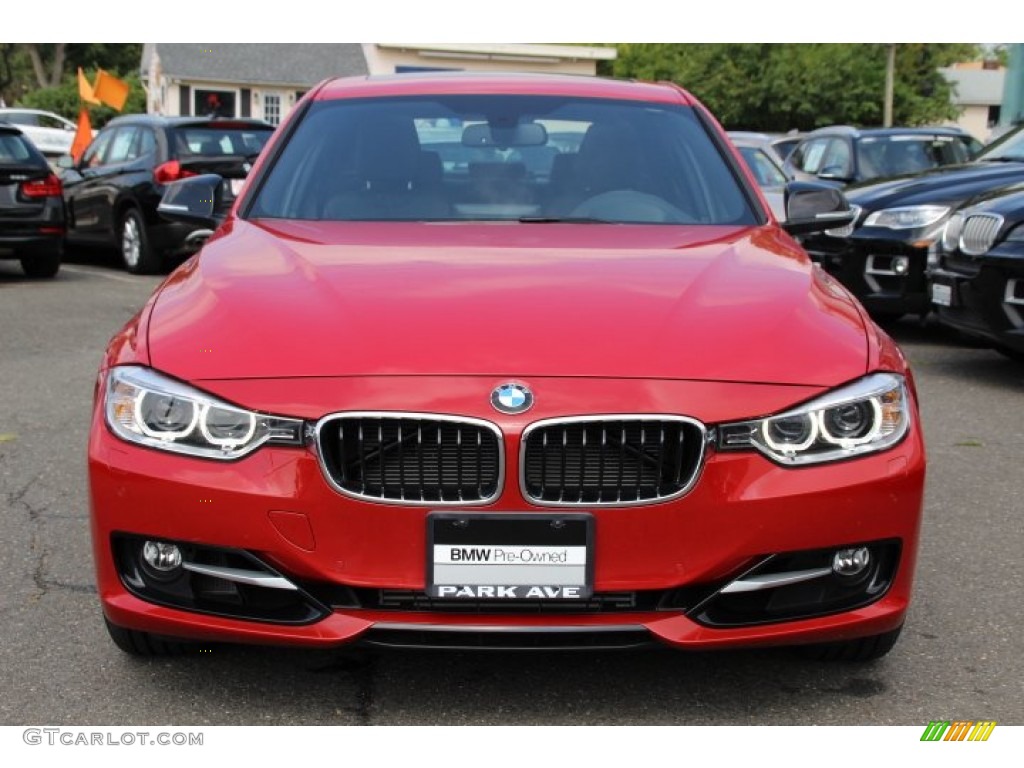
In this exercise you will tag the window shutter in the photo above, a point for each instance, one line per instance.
(245, 106)
(185, 100)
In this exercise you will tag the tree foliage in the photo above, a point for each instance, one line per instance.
(776, 87)
(29, 67)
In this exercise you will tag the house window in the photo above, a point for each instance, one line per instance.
(210, 103)
(272, 108)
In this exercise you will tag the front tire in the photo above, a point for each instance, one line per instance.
(143, 644)
(137, 254)
(43, 264)
(860, 650)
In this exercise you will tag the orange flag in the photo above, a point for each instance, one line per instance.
(85, 91)
(82, 136)
(110, 90)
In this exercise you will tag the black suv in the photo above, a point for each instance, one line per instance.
(848, 155)
(882, 258)
(113, 192)
(31, 207)
(977, 286)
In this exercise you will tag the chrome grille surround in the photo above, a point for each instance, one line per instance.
(410, 418)
(700, 435)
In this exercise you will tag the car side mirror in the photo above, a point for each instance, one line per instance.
(814, 206)
(195, 200)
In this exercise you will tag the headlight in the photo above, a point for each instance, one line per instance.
(910, 217)
(145, 407)
(869, 415)
(951, 233)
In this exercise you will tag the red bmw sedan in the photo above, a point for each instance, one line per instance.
(500, 361)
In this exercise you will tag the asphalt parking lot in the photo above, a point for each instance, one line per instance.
(961, 655)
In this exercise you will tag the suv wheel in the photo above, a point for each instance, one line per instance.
(136, 252)
(42, 264)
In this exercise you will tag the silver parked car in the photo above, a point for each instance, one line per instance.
(51, 134)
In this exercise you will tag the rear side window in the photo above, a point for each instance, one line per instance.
(502, 157)
(203, 141)
(122, 146)
(13, 149)
(764, 170)
(20, 118)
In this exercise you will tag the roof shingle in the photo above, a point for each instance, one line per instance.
(299, 64)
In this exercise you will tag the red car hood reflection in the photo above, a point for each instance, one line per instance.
(286, 299)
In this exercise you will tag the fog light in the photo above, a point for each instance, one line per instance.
(851, 562)
(900, 264)
(161, 556)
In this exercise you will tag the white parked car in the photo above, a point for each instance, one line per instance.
(52, 134)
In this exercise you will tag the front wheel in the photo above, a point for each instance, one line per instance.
(137, 254)
(859, 650)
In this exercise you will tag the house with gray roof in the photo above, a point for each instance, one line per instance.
(241, 79)
(266, 80)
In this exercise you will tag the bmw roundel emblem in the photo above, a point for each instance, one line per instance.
(511, 398)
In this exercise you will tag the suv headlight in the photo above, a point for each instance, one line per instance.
(909, 217)
(867, 416)
(148, 408)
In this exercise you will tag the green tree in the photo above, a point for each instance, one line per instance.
(776, 87)
(27, 67)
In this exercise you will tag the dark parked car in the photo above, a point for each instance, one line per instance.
(978, 285)
(847, 155)
(882, 258)
(113, 192)
(31, 206)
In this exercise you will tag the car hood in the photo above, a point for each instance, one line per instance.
(946, 185)
(289, 299)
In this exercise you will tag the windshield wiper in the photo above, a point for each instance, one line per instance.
(562, 220)
(1004, 159)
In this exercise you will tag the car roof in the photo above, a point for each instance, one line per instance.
(753, 136)
(164, 121)
(29, 110)
(849, 130)
(584, 86)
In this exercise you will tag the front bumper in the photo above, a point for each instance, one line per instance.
(865, 265)
(986, 297)
(276, 505)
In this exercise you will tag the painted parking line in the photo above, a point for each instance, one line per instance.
(79, 270)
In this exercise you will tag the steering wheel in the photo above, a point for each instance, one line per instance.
(633, 207)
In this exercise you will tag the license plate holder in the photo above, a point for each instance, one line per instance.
(942, 295)
(516, 556)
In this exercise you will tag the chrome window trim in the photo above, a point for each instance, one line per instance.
(499, 483)
(698, 469)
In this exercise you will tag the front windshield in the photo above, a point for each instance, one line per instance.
(502, 157)
(1006, 148)
(882, 156)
